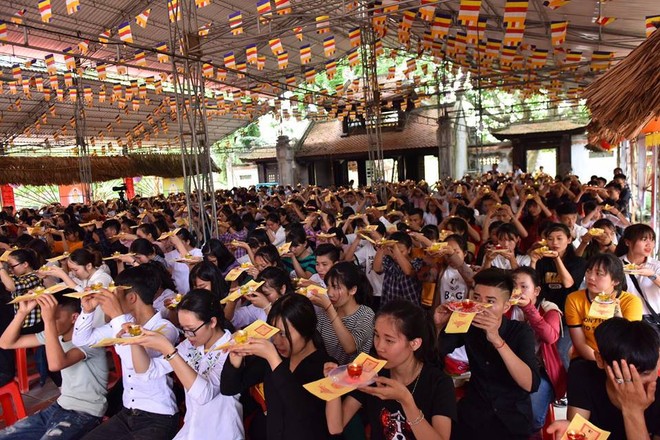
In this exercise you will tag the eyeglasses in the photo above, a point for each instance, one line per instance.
(192, 333)
(14, 265)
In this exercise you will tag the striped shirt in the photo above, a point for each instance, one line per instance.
(360, 324)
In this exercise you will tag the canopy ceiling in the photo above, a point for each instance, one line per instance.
(34, 125)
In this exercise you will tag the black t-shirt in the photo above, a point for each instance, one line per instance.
(434, 395)
(586, 390)
(552, 288)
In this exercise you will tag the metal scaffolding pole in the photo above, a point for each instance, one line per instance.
(190, 95)
(372, 102)
(84, 161)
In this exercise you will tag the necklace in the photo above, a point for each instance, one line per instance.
(416, 381)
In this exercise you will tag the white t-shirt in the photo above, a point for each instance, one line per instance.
(650, 289)
(578, 232)
(84, 384)
(430, 219)
(280, 237)
(246, 315)
(159, 302)
(502, 263)
(452, 286)
(365, 256)
(181, 271)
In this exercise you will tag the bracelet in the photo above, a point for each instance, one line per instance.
(171, 356)
(501, 345)
(334, 319)
(418, 420)
(327, 308)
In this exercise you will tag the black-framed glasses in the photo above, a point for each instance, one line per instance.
(191, 333)
(14, 265)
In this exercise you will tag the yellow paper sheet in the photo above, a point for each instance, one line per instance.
(284, 248)
(312, 289)
(580, 424)
(117, 256)
(107, 342)
(236, 272)
(61, 257)
(601, 311)
(459, 322)
(246, 288)
(327, 389)
(258, 330)
(5, 255)
(165, 235)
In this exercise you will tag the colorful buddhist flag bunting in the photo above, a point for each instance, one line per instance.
(282, 60)
(652, 24)
(573, 56)
(207, 70)
(297, 31)
(83, 47)
(539, 58)
(45, 11)
(251, 54)
(173, 10)
(100, 71)
(558, 32)
(68, 79)
(140, 58)
(390, 6)
(162, 53)
(322, 24)
(493, 46)
(604, 21)
(555, 4)
(305, 54)
(469, 11)
(378, 47)
(50, 64)
(331, 69)
(601, 60)
(353, 57)
(72, 6)
(427, 10)
(142, 18)
(282, 7)
(264, 10)
(16, 72)
(476, 31)
(236, 23)
(261, 62)
(230, 60)
(204, 30)
(202, 3)
(4, 34)
(18, 16)
(276, 46)
(69, 60)
(104, 36)
(407, 19)
(310, 75)
(354, 36)
(440, 26)
(125, 33)
(329, 46)
(290, 79)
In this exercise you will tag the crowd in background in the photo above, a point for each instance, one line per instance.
(340, 271)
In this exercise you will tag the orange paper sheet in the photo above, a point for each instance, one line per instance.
(459, 322)
(601, 311)
(327, 389)
(582, 425)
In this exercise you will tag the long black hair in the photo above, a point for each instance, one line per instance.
(413, 322)
(350, 275)
(203, 304)
(297, 311)
(207, 271)
(216, 248)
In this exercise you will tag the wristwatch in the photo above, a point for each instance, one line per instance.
(653, 277)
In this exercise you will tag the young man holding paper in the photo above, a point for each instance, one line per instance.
(84, 370)
(502, 360)
(149, 407)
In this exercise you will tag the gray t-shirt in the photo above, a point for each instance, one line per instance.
(84, 384)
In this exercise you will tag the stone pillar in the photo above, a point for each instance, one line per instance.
(460, 144)
(445, 161)
(285, 161)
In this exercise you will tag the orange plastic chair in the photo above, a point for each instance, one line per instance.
(22, 368)
(11, 401)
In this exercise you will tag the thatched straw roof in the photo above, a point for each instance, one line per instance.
(626, 98)
(64, 170)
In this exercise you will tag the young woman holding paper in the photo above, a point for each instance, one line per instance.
(413, 398)
(605, 276)
(197, 364)
(293, 358)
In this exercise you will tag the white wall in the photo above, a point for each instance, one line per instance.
(586, 163)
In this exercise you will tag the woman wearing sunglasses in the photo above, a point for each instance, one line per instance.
(197, 365)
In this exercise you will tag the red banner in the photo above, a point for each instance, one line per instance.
(130, 188)
(7, 196)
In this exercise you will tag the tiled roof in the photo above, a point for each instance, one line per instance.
(259, 154)
(324, 139)
(537, 128)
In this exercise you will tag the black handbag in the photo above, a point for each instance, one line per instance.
(653, 318)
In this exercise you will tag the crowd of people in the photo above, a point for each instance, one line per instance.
(564, 289)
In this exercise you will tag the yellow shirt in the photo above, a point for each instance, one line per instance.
(577, 307)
